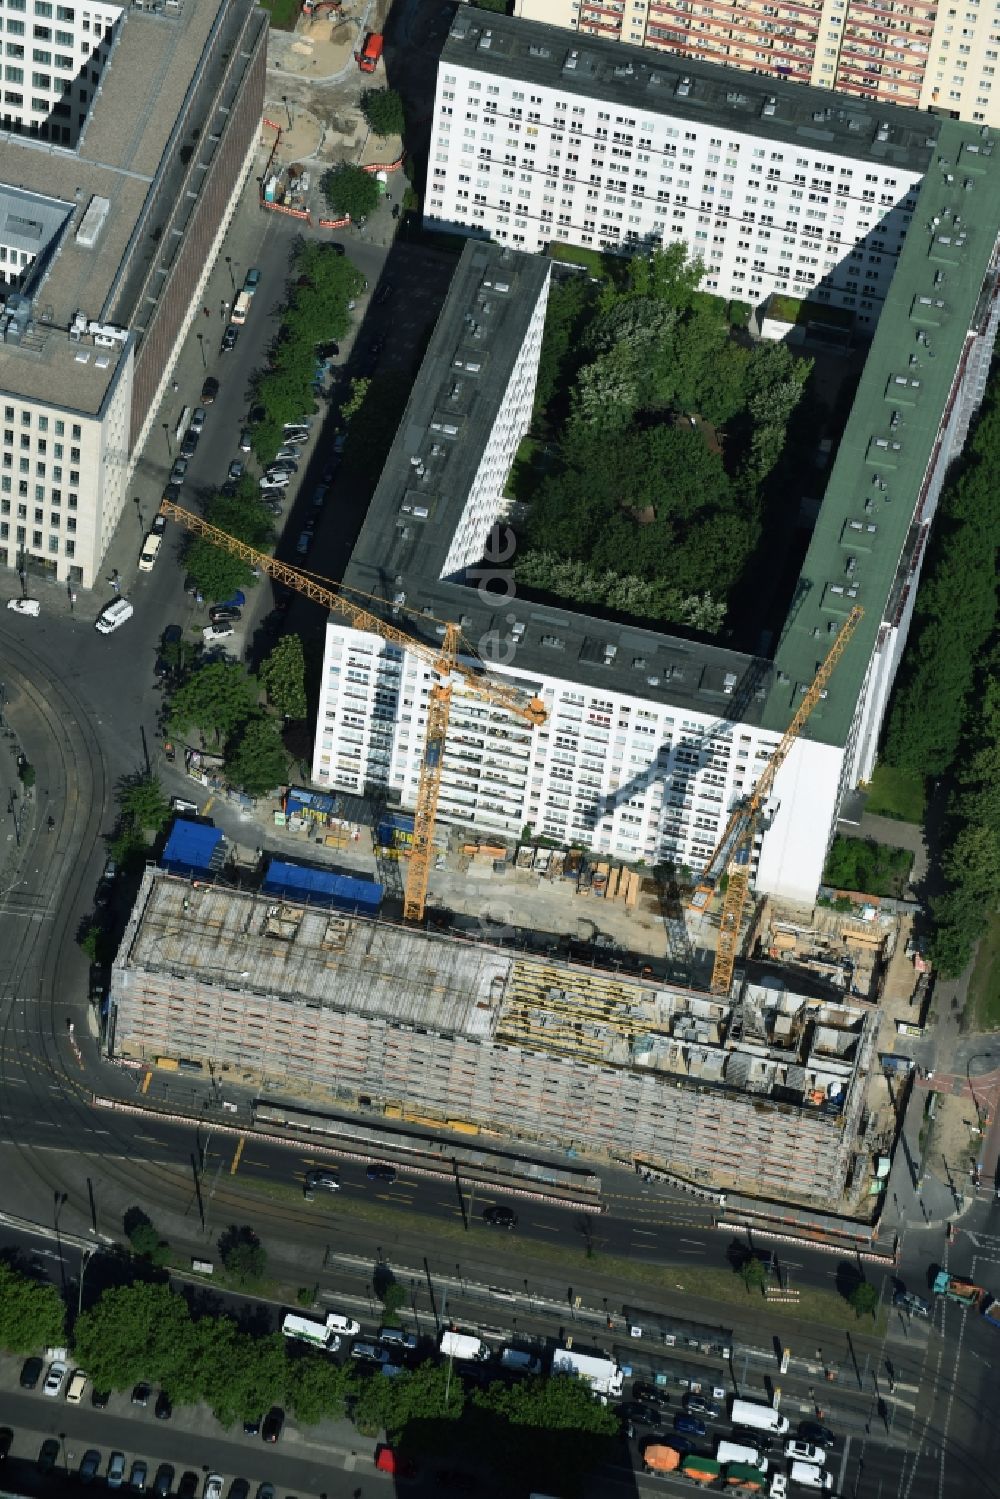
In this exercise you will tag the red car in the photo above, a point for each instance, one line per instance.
(388, 1460)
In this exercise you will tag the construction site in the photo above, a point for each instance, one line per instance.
(765, 1092)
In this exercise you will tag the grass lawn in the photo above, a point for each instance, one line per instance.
(283, 13)
(984, 986)
(897, 793)
(714, 1283)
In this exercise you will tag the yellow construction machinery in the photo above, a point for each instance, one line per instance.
(443, 661)
(734, 849)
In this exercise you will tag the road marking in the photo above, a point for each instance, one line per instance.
(647, 1233)
(147, 1079)
(236, 1156)
(208, 806)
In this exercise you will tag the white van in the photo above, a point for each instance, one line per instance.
(735, 1452)
(759, 1417)
(346, 1326)
(811, 1477)
(150, 547)
(113, 616)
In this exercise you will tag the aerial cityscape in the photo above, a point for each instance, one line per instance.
(499, 897)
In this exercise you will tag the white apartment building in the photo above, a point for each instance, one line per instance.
(538, 138)
(937, 57)
(114, 198)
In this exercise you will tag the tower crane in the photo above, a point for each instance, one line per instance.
(733, 850)
(443, 661)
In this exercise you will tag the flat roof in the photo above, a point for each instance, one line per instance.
(126, 157)
(866, 522)
(402, 551)
(630, 77)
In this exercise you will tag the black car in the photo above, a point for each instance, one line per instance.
(190, 443)
(224, 614)
(649, 1394)
(99, 1398)
(90, 1466)
(817, 1433)
(252, 1427)
(172, 494)
(639, 1414)
(209, 391)
(47, 1455)
(500, 1217)
(229, 338)
(141, 1393)
(680, 1444)
(6, 1437)
(188, 1486)
(163, 1409)
(383, 294)
(699, 1406)
(239, 1489)
(164, 1481)
(273, 1423)
(377, 1173)
(31, 1373)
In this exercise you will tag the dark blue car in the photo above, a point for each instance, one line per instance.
(689, 1424)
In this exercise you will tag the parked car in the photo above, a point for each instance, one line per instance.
(236, 470)
(224, 614)
(190, 444)
(198, 416)
(213, 1486)
(209, 391)
(779, 1486)
(90, 1464)
(251, 1428)
(699, 1405)
(245, 442)
(229, 338)
(141, 1393)
(319, 494)
(378, 1173)
(31, 1373)
(47, 1455)
(159, 525)
(265, 1490)
(178, 471)
(805, 1452)
(275, 481)
(164, 1481)
(252, 280)
(25, 606)
(172, 494)
(212, 634)
(6, 1438)
(54, 1378)
(138, 1477)
(689, 1425)
(116, 1470)
(395, 1337)
(163, 1409)
(294, 439)
(500, 1217)
(188, 1486)
(371, 1353)
(239, 1489)
(304, 424)
(99, 1399)
(76, 1387)
(383, 294)
(304, 542)
(273, 1423)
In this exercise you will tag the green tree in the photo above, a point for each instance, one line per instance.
(349, 189)
(550, 1431)
(669, 275)
(383, 109)
(392, 1296)
(283, 677)
(32, 1314)
(754, 1273)
(355, 400)
(255, 756)
(26, 771)
(414, 1396)
(251, 1376)
(215, 573)
(147, 1244)
(142, 802)
(216, 698)
(141, 1331)
(243, 1255)
(317, 1387)
(863, 1298)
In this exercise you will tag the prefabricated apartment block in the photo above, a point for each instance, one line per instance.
(120, 169)
(766, 1094)
(651, 738)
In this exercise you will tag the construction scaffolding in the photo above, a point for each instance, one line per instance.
(463, 1035)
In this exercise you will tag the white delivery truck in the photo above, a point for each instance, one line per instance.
(308, 1330)
(733, 1452)
(464, 1346)
(603, 1375)
(759, 1417)
(811, 1477)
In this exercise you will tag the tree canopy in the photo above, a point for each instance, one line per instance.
(31, 1313)
(666, 429)
(255, 756)
(351, 190)
(283, 676)
(383, 109)
(217, 699)
(142, 802)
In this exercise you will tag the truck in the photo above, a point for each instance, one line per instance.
(308, 1330)
(746, 1476)
(736, 1452)
(463, 1346)
(241, 308)
(962, 1291)
(760, 1417)
(371, 52)
(700, 1469)
(659, 1458)
(603, 1375)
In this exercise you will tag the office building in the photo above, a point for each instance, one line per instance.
(129, 137)
(941, 58)
(764, 1096)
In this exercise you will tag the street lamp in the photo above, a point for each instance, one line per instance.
(86, 1256)
(166, 433)
(229, 263)
(288, 108)
(201, 342)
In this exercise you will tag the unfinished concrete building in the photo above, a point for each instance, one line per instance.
(764, 1095)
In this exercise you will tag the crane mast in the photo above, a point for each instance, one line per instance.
(444, 662)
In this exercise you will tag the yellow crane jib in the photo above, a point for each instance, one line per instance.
(443, 660)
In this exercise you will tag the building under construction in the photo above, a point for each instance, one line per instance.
(765, 1093)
